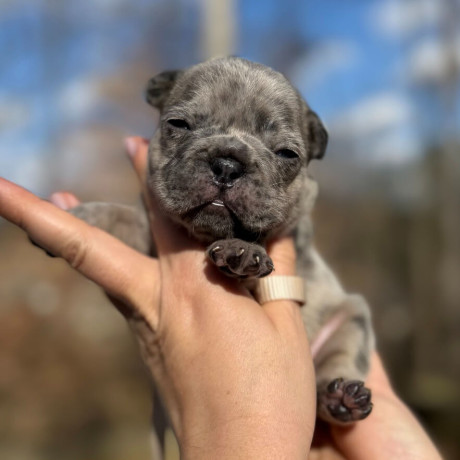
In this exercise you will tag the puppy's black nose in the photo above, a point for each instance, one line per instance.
(226, 170)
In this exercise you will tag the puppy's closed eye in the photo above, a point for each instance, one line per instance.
(179, 123)
(287, 154)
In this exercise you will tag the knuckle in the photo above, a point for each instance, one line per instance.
(74, 252)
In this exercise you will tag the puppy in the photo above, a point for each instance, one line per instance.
(229, 163)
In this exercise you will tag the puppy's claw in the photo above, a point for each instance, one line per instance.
(216, 249)
(334, 385)
(353, 387)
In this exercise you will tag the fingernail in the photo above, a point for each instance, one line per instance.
(131, 146)
(59, 200)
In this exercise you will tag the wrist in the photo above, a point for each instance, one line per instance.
(248, 438)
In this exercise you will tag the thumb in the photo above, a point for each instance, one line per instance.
(169, 238)
(137, 150)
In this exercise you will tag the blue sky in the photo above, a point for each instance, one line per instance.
(353, 60)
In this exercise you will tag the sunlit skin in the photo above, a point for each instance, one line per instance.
(237, 378)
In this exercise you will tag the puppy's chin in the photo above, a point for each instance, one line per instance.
(211, 222)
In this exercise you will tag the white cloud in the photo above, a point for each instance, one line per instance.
(428, 61)
(395, 148)
(373, 114)
(322, 60)
(396, 18)
(378, 129)
(431, 59)
(78, 98)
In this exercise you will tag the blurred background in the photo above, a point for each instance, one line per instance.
(383, 75)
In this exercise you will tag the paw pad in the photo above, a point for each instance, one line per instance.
(240, 259)
(345, 400)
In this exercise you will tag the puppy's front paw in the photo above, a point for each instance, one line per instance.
(344, 401)
(240, 259)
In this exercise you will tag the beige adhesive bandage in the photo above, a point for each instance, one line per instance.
(280, 287)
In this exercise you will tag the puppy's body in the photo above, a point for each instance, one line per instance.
(229, 163)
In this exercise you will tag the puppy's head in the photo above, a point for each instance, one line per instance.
(230, 158)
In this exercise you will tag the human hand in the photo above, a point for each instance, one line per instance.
(391, 432)
(236, 378)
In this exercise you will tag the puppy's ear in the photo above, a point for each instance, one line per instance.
(315, 135)
(159, 87)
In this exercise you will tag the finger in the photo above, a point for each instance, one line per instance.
(168, 236)
(129, 276)
(285, 314)
(137, 148)
(64, 200)
(378, 378)
(283, 254)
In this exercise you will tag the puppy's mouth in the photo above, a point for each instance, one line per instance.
(220, 208)
(213, 207)
(217, 217)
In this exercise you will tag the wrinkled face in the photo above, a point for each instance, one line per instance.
(231, 155)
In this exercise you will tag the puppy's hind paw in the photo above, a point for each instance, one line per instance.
(344, 401)
(240, 259)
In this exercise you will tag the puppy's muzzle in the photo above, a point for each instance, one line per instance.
(226, 171)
